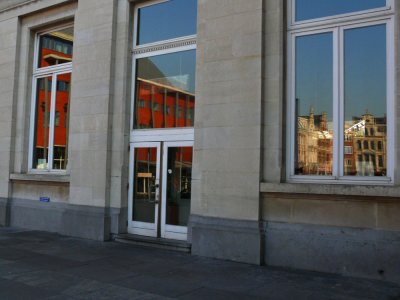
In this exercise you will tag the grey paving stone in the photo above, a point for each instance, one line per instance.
(112, 292)
(48, 280)
(35, 265)
(161, 285)
(210, 293)
(16, 290)
(83, 286)
(99, 272)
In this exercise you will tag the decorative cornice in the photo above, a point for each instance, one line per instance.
(11, 7)
(164, 46)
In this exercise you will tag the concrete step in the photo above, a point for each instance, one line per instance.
(159, 243)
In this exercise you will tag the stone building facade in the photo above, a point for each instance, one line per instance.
(186, 120)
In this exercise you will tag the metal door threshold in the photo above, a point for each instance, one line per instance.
(159, 243)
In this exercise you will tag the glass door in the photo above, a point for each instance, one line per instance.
(160, 188)
(176, 187)
(144, 191)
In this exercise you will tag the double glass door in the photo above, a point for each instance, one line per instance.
(160, 188)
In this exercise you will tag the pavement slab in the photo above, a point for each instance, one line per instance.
(42, 265)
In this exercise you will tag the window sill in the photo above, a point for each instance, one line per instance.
(57, 178)
(331, 189)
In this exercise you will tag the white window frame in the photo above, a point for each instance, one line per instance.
(334, 19)
(337, 25)
(39, 73)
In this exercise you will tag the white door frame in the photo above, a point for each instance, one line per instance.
(170, 231)
(136, 227)
(176, 137)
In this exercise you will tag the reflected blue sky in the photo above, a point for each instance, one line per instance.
(314, 73)
(311, 9)
(365, 71)
(167, 20)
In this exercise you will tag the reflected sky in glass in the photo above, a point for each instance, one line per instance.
(365, 71)
(166, 20)
(314, 74)
(174, 70)
(312, 9)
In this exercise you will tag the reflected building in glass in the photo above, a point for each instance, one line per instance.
(314, 144)
(365, 146)
(55, 48)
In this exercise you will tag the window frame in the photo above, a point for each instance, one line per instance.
(337, 26)
(366, 13)
(38, 73)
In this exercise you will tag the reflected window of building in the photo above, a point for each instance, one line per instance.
(55, 47)
(50, 100)
(339, 91)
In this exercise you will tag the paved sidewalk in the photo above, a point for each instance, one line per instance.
(39, 265)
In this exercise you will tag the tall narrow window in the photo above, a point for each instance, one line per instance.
(51, 99)
(340, 90)
(165, 64)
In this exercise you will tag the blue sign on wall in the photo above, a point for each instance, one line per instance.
(44, 199)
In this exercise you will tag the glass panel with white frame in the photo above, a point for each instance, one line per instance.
(314, 9)
(365, 116)
(314, 104)
(340, 82)
(166, 20)
(165, 90)
(50, 100)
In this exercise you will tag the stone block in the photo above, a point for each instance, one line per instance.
(388, 216)
(342, 250)
(227, 239)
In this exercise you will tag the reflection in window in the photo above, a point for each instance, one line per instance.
(42, 121)
(49, 143)
(365, 96)
(60, 153)
(179, 177)
(56, 47)
(144, 184)
(166, 20)
(313, 106)
(312, 9)
(166, 83)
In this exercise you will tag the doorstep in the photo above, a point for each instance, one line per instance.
(153, 242)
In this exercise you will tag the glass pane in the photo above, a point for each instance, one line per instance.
(56, 47)
(41, 133)
(165, 90)
(60, 149)
(179, 177)
(312, 9)
(365, 101)
(314, 106)
(166, 20)
(144, 184)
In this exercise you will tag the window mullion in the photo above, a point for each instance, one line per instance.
(338, 98)
(52, 117)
